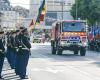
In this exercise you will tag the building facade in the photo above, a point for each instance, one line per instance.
(14, 17)
(10, 19)
(56, 10)
(9, 15)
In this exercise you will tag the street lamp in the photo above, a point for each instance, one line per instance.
(62, 4)
(76, 9)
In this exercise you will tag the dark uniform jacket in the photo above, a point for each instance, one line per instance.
(8, 42)
(23, 44)
(2, 48)
(13, 43)
(26, 42)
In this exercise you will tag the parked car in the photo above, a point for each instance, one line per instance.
(37, 39)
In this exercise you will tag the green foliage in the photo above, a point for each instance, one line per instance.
(87, 9)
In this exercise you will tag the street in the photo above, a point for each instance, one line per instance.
(63, 24)
(45, 66)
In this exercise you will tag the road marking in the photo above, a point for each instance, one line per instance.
(83, 72)
(47, 69)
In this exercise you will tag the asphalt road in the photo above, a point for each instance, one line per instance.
(45, 66)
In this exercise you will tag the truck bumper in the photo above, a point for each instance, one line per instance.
(71, 47)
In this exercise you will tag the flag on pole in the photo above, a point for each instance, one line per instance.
(31, 27)
(42, 12)
(32, 23)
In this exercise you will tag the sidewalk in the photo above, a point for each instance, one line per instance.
(8, 73)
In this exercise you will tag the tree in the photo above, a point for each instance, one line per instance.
(87, 9)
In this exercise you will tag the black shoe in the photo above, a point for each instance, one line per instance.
(23, 78)
(26, 77)
(17, 74)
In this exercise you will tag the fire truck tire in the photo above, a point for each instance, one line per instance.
(76, 52)
(53, 50)
(59, 52)
(83, 52)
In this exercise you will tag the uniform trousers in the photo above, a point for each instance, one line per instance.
(8, 55)
(13, 58)
(1, 62)
(21, 63)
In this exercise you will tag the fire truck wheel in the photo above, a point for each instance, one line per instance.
(53, 50)
(76, 52)
(59, 52)
(83, 52)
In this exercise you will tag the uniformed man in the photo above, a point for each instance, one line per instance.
(2, 52)
(13, 50)
(24, 52)
(8, 54)
(18, 42)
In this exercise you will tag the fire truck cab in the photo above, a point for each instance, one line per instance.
(69, 35)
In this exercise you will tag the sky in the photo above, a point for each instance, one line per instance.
(23, 3)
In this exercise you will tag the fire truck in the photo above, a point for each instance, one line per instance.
(94, 38)
(69, 35)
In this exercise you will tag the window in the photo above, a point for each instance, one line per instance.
(73, 26)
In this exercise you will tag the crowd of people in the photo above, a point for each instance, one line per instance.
(15, 46)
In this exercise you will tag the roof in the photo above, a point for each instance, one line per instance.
(84, 21)
(71, 21)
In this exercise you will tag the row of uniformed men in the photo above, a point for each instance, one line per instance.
(17, 52)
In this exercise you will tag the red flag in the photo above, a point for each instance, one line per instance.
(32, 23)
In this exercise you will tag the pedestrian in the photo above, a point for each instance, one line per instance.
(2, 52)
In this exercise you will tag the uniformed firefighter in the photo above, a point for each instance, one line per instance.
(13, 50)
(8, 53)
(24, 52)
(2, 52)
(17, 41)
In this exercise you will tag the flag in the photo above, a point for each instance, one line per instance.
(32, 23)
(41, 14)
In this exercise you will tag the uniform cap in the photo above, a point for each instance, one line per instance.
(22, 27)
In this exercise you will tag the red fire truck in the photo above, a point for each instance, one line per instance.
(69, 35)
(94, 38)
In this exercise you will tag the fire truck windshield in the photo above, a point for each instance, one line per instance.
(73, 27)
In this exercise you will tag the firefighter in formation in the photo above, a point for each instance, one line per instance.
(17, 52)
(2, 51)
